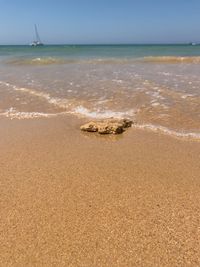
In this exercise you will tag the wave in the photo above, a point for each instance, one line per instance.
(66, 106)
(165, 130)
(171, 59)
(59, 102)
(40, 61)
(58, 60)
(79, 110)
(12, 113)
(56, 101)
(104, 114)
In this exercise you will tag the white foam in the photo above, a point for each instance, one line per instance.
(5, 83)
(165, 73)
(102, 101)
(186, 96)
(59, 102)
(165, 130)
(36, 59)
(154, 103)
(12, 113)
(85, 112)
(82, 111)
(117, 81)
(157, 95)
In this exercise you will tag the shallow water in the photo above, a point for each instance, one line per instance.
(157, 86)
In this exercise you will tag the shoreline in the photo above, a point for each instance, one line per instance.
(70, 198)
(12, 114)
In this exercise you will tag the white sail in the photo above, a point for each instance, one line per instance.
(37, 41)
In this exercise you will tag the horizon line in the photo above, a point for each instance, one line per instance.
(90, 44)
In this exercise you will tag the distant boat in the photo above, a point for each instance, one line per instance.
(193, 43)
(37, 41)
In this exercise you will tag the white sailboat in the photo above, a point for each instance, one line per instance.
(37, 41)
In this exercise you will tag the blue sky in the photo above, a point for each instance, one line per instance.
(100, 21)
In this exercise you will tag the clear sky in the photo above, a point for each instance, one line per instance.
(100, 21)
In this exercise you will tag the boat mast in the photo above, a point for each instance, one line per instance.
(37, 35)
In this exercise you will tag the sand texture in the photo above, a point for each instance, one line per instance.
(70, 198)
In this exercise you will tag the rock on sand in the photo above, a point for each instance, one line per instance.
(107, 126)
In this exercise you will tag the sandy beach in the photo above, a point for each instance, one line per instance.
(70, 198)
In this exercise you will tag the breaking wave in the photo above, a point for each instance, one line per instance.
(172, 59)
(118, 61)
(56, 61)
(40, 61)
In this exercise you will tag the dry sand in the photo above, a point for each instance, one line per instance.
(69, 198)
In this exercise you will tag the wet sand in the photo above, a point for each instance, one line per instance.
(74, 199)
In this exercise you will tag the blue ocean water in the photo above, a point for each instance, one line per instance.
(98, 51)
(156, 85)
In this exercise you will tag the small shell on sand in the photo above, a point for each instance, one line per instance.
(107, 126)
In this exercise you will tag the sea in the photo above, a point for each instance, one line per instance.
(157, 86)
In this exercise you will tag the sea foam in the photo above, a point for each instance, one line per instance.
(102, 114)
(172, 59)
(94, 113)
(12, 113)
(165, 130)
